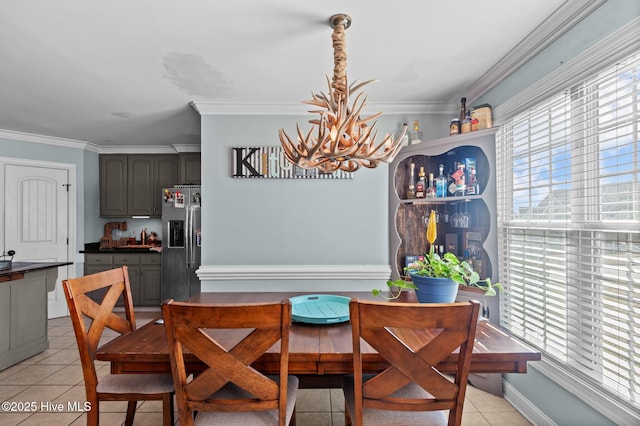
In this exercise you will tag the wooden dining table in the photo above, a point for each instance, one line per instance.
(319, 354)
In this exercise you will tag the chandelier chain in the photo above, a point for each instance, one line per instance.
(340, 60)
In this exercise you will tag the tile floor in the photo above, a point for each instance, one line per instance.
(55, 376)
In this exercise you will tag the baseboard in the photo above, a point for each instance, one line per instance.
(524, 406)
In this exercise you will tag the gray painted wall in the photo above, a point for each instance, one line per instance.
(555, 402)
(286, 221)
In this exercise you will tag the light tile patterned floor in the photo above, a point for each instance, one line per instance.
(55, 377)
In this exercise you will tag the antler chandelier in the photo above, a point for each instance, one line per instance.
(344, 140)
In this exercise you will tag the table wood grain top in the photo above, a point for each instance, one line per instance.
(315, 349)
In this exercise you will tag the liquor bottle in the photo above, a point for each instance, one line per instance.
(421, 185)
(416, 135)
(463, 110)
(441, 183)
(411, 190)
(405, 137)
(460, 179)
(473, 187)
(431, 190)
(466, 123)
(451, 182)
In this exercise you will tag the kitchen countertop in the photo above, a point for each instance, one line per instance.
(94, 248)
(18, 269)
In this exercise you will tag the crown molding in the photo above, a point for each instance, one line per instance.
(137, 149)
(293, 272)
(48, 140)
(618, 45)
(88, 146)
(186, 147)
(300, 109)
(562, 20)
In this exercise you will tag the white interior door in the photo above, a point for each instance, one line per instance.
(36, 221)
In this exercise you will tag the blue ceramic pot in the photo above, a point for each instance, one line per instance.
(435, 290)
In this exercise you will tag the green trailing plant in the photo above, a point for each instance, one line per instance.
(446, 266)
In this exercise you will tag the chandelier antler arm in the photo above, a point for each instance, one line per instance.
(354, 87)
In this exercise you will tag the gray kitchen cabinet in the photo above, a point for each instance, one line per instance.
(140, 185)
(150, 278)
(165, 174)
(5, 319)
(189, 168)
(148, 174)
(23, 315)
(132, 261)
(131, 185)
(113, 185)
(144, 274)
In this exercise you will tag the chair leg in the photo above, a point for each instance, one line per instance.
(167, 410)
(292, 422)
(131, 412)
(93, 415)
(347, 419)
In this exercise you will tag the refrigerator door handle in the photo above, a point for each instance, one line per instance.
(192, 237)
(187, 237)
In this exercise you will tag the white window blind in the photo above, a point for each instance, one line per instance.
(569, 229)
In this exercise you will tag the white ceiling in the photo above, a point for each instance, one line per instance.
(123, 72)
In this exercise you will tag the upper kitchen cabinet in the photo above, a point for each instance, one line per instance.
(148, 174)
(189, 168)
(113, 185)
(138, 180)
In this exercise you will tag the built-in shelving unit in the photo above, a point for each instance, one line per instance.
(467, 223)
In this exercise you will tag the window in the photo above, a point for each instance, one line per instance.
(569, 229)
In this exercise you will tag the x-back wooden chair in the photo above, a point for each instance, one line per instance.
(89, 320)
(414, 338)
(229, 391)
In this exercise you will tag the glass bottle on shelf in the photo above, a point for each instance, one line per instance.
(473, 187)
(454, 127)
(463, 110)
(416, 135)
(460, 180)
(411, 189)
(441, 183)
(405, 137)
(451, 182)
(421, 185)
(466, 123)
(431, 190)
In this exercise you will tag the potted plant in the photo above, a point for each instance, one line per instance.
(436, 278)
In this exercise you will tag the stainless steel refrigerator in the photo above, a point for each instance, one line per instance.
(181, 241)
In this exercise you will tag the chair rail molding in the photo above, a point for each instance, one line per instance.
(293, 272)
(302, 278)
